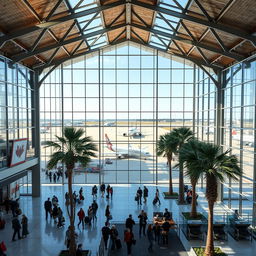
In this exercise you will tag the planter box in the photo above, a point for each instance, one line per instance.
(186, 215)
(199, 251)
(168, 196)
(66, 253)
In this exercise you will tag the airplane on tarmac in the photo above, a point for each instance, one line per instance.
(248, 140)
(126, 152)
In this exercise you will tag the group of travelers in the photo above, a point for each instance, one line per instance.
(154, 232)
(54, 176)
(188, 192)
(144, 193)
(91, 215)
(103, 188)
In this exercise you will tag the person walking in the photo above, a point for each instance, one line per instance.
(105, 234)
(145, 194)
(108, 190)
(111, 192)
(142, 222)
(24, 223)
(7, 205)
(68, 237)
(94, 192)
(158, 196)
(102, 189)
(150, 237)
(81, 216)
(129, 240)
(48, 208)
(55, 213)
(113, 236)
(94, 210)
(66, 199)
(139, 193)
(90, 214)
(16, 228)
(129, 222)
(107, 214)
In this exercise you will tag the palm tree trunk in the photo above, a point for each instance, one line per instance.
(169, 159)
(209, 249)
(72, 246)
(193, 213)
(181, 185)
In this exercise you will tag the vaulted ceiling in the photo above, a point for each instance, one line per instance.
(45, 33)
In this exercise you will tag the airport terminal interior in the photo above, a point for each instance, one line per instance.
(126, 73)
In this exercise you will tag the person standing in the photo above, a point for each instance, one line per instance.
(157, 232)
(50, 176)
(102, 189)
(94, 210)
(150, 237)
(79, 251)
(48, 208)
(68, 237)
(111, 192)
(7, 205)
(113, 236)
(139, 193)
(60, 218)
(94, 192)
(108, 190)
(54, 177)
(165, 233)
(24, 223)
(129, 222)
(16, 227)
(158, 196)
(142, 222)
(128, 239)
(81, 216)
(145, 194)
(90, 214)
(107, 214)
(105, 234)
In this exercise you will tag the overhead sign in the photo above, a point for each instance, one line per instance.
(19, 151)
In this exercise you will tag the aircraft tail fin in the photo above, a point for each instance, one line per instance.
(108, 142)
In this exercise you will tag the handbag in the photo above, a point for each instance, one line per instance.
(110, 217)
(136, 198)
(3, 246)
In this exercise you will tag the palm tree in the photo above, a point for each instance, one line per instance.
(189, 158)
(215, 166)
(183, 135)
(70, 149)
(167, 146)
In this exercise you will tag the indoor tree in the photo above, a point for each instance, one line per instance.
(189, 157)
(167, 146)
(74, 147)
(215, 166)
(183, 135)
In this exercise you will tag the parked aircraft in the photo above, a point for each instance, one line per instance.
(126, 152)
(133, 131)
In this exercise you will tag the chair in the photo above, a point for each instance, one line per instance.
(194, 231)
(219, 232)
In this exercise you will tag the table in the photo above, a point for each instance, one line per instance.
(160, 221)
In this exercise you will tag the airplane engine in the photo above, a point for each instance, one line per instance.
(124, 134)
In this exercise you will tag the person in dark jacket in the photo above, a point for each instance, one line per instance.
(94, 210)
(145, 194)
(108, 191)
(48, 208)
(157, 232)
(14, 206)
(113, 236)
(94, 192)
(107, 214)
(139, 193)
(129, 222)
(165, 233)
(102, 189)
(150, 237)
(142, 222)
(111, 192)
(105, 234)
(16, 228)
(7, 205)
(24, 223)
(79, 251)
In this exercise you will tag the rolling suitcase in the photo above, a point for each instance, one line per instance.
(118, 243)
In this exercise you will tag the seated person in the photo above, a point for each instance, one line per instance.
(236, 215)
(167, 214)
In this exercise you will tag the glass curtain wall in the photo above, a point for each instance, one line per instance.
(124, 97)
(239, 132)
(15, 106)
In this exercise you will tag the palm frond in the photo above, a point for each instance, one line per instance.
(55, 159)
(53, 144)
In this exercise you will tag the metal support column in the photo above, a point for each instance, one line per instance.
(219, 123)
(36, 170)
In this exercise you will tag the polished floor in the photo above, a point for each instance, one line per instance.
(45, 239)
